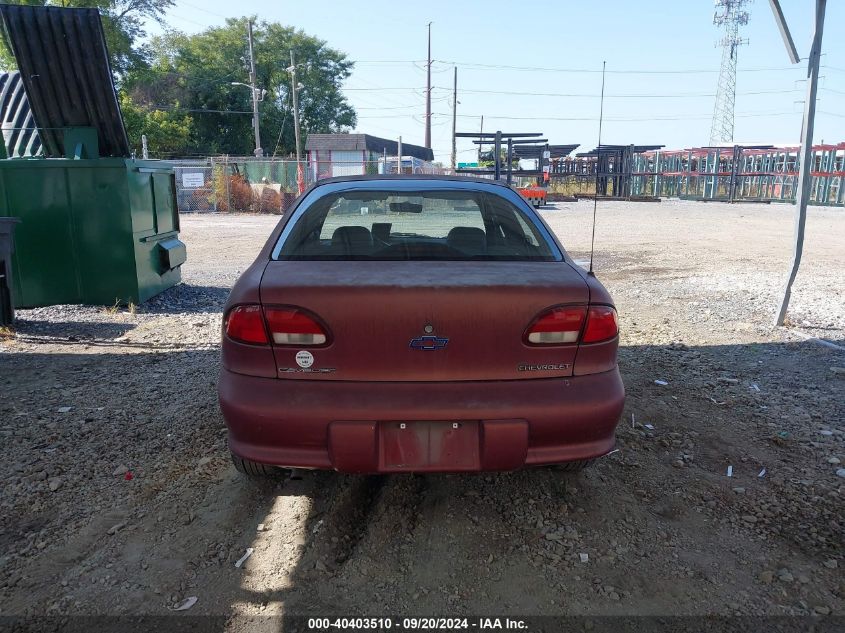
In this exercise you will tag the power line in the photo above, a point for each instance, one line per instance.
(224, 79)
(578, 95)
(629, 71)
(392, 116)
(382, 88)
(403, 107)
(679, 95)
(388, 61)
(204, 10)
(389, 99)
(617, 119)
(282, 127)
(680, 71)
(179, 17)
(166, 108)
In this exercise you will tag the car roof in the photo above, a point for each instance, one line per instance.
(439, 178)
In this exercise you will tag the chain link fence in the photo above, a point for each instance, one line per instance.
(195, 186)
(254, 185)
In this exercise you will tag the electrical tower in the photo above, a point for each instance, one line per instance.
(729, 14)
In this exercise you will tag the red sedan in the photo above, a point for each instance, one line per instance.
(417, 324)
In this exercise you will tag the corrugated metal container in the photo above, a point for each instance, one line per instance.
(64, 66)
(93, 231)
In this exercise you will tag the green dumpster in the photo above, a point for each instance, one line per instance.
(97, 226)
(93, 231)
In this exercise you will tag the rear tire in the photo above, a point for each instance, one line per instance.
(254, 469)
(574, 467)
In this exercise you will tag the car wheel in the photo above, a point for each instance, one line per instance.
(573, 467)
(254, 469)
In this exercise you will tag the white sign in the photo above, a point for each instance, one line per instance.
(193, 179)
(304, 359)
(547, 154)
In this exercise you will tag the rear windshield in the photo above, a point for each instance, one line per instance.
(415, 225)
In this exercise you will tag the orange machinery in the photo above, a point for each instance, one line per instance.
(535, 195)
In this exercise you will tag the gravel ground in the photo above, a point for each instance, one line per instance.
(119, 498)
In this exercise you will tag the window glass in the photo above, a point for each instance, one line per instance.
(415, 225)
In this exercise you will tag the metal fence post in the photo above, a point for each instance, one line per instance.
(226, 180)
(213, 191)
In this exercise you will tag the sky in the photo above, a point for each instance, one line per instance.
(536, 67)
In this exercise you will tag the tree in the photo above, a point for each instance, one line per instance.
(123, 27)
(168, 133)
(193, 74)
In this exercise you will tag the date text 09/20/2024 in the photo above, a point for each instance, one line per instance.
(416, 624)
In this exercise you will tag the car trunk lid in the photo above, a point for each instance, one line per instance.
(423, 320)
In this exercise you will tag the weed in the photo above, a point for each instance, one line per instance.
(113, 308)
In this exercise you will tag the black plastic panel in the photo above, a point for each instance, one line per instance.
(19, 133)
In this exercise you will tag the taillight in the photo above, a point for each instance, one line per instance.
(286, 326)
(601, 324)
(557, 326)
(245, 324)
(289, 326)
(563, 325)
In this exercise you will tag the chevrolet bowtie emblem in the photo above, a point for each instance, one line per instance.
(429, 343)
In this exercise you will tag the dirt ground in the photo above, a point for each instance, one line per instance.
(89, 395)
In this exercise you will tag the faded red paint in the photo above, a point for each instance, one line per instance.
(468, 406)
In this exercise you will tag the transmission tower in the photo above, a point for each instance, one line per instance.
(729, 14)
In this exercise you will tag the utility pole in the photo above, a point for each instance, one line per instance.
(454, 121)
(509, 159)
(480, 135)
(802, 196)
(428, 94)
(295, 88)
(497, 156)
(258, 151)
(399, 157)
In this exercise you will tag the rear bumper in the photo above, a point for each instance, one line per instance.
(353, 426)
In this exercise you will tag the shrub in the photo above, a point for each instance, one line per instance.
(270, 201)
(231, 191)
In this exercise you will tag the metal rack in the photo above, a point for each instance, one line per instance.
(740, 173)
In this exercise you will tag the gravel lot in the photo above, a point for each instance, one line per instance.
(119, 497)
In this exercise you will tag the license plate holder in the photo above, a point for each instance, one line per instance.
(429, 445)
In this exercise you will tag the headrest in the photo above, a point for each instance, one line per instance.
(352, 237)
(467, 238)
